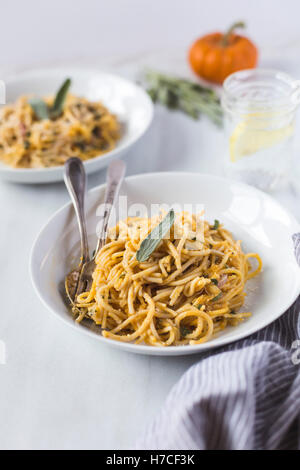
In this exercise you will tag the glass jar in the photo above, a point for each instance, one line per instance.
(259, 113)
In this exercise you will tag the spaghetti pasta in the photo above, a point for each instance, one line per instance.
(85, 129)
(185, 292)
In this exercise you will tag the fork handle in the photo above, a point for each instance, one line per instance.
(75, 181)
(115, 176)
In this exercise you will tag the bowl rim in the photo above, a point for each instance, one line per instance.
(17, 77)
(153, 350)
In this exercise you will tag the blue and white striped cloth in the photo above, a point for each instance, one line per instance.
(243, 396)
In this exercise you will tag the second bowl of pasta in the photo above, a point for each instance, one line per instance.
(53, 114)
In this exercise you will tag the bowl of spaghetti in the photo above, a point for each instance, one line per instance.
(176, 281)
(53, 114)
(190, 287)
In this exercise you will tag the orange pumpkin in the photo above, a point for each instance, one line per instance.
(215, 56)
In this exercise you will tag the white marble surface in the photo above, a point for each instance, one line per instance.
(58, 389)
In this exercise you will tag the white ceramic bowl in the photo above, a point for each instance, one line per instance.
(254, 217)
(128, 101)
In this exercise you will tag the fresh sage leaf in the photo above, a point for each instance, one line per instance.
(40, 108)
(184, 95)
(42, 111)
(216, 225)
(153, 94)
(60, 99)
(217, 297)
(155, 236)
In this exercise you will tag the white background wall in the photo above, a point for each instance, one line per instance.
(35, 31)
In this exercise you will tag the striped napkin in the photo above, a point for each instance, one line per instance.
(243, 396)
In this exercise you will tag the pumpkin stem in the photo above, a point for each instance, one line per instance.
(226, 37)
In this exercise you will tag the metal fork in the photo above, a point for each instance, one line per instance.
(75, 181)
(114, 179)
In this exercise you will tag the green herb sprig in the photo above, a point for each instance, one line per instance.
(43, 111)
(184, 331)
(217, 297)
(216, 224)
(185, 95)
(155, 236)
